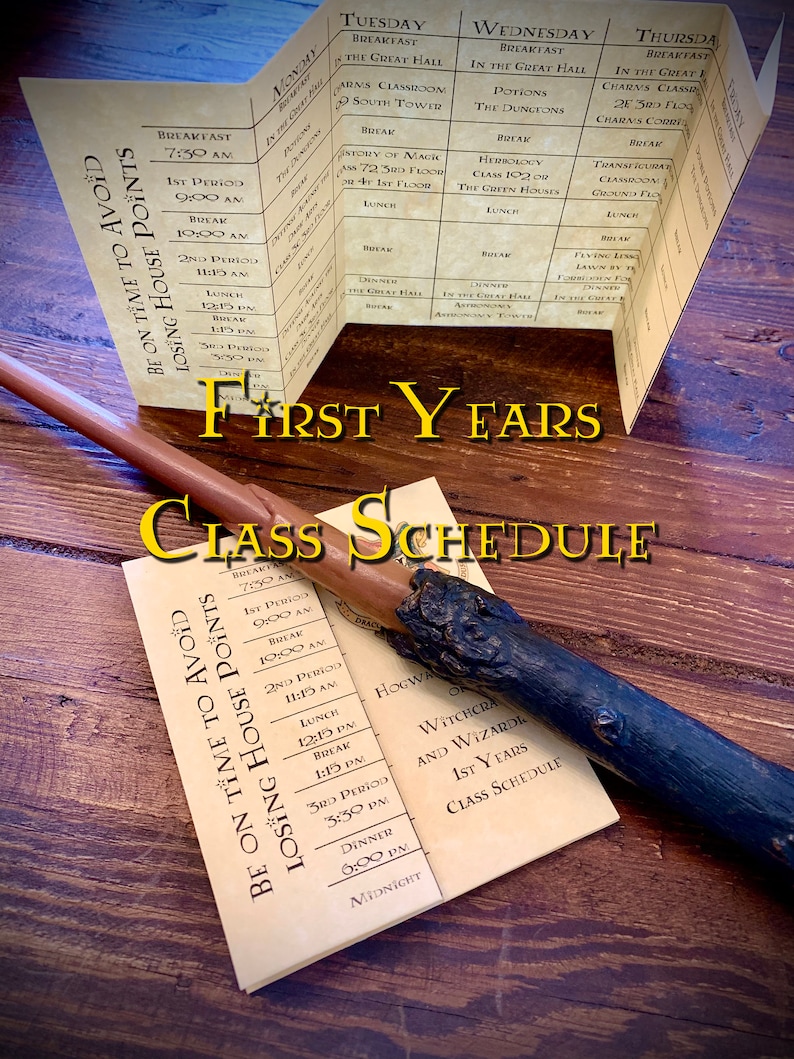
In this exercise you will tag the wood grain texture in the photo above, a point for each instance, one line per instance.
(651, 939)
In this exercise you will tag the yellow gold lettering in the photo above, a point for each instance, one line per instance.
(149, 529)
(427, 419)
(545, 540)
(385, 535)
(211, 408)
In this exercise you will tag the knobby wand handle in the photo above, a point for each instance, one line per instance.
(477, 640)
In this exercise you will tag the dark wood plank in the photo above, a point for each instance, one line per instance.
(520, 941)
(650, 939)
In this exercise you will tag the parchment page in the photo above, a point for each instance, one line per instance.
(531, 164)
(157, 180)
(562, 165)
(293, 119)
(723, 113)
(336, 790)
(489, 788)
(205, 215)
(270, 736)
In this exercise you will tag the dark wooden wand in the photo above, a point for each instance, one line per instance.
(475, 639)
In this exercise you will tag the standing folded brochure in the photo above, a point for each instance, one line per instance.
(486, 163)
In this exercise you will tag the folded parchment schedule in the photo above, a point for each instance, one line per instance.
(489, 163)
(335, 788)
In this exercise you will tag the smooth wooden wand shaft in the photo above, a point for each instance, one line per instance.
(376, 589)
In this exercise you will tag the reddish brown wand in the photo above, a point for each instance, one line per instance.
(475, 639)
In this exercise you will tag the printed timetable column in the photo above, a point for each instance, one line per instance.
(620, 186)
(521, 94)
(162, 190)
(209, 264)
(330, 819)
(393, 82)
(290, 101)
(648, 130)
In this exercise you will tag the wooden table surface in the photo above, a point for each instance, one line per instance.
(650, 938)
